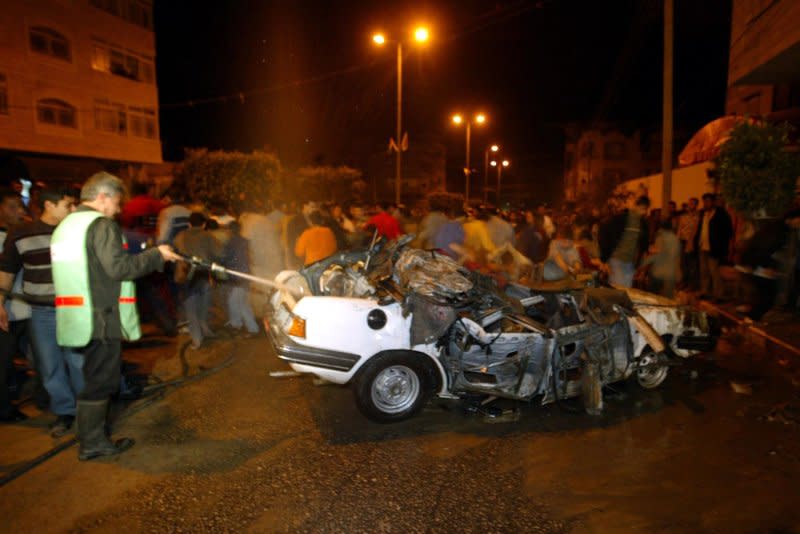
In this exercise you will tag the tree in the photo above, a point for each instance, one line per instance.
(230, 177)
(756, 173)
(326, 183)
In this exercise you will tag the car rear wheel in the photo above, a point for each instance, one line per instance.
(650, 373)
(393, 386)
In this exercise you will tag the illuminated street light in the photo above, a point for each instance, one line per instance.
(494, 163)
(458, 119)
(493, 149)
(505, 163)
(421, 35)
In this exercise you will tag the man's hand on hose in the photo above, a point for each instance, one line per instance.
(168, 254)
(3, 318)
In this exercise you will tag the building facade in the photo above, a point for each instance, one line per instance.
(598, 159)
(77, 86)
(764, 64)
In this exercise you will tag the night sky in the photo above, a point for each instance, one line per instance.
(302, 78)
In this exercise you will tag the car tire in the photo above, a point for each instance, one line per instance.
(394, 386)
(654, 376)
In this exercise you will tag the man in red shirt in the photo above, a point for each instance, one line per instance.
(386, 225)
(141, 211)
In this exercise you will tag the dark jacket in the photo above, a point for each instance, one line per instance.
(109, 264)
(764, 244)
(611, 232)
(720, 233)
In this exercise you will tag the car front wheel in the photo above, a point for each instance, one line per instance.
(393, 386)
(650, 373)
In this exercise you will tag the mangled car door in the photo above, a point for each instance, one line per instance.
(505, 355)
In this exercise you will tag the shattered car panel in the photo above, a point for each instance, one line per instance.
(399, 321)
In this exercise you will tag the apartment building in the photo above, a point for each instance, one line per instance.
(77, 88)
(764, 61)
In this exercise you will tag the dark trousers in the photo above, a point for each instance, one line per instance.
(101, 369)
(690, 265)
(9, 345)
(149, 291)
(765, 291)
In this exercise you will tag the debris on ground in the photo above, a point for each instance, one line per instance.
(741, 388)
(783, 413)
(283, 374)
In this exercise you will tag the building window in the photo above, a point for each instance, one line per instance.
(107, 58)
(112, 6)
(3, 95)
(110, 117)
(613, 176)
(786, 97)
(50, 42)
(134, 11)
(613, 151)
(56, 113)
(143, 123)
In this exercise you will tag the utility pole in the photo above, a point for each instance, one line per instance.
(666, 133)
(467, 170)
(486, 176)
(399, 138)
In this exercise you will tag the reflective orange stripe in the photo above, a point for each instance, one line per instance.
(69, 301)
(127, 300)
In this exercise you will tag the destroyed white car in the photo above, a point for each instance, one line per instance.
(402, 324)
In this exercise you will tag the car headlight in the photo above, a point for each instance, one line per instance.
(298, 327)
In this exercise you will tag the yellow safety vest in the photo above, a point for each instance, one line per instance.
(74, 317)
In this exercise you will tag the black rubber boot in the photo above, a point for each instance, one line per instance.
(94, 442)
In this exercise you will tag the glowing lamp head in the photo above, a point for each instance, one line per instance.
(379, 39)
(421, 34)
(480, 118)
(495, 148)
(458, 119)
(493, 163)
(505, 163)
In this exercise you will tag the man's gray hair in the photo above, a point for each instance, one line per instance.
(102, 182)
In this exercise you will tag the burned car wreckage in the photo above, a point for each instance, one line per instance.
(401, 324)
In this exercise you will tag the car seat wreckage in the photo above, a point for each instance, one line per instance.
(401, 324)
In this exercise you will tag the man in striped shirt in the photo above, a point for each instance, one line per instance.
(27, 247)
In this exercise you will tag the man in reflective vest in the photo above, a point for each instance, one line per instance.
(96, 302)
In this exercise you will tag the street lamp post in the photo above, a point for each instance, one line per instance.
(500, 165)
(420, 35)
(493, 148)
(479, 119)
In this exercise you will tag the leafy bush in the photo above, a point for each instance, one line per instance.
(755, 170)
(444, 201)
(229, 177)
(326, 183)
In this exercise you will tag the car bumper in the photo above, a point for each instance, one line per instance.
(291, 351)
(697, 343)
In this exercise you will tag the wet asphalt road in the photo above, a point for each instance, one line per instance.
(239, 451)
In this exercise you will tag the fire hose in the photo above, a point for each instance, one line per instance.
(196, 263)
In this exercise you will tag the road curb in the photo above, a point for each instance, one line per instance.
(751, 333)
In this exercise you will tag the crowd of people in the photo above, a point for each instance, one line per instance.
(697, 248)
